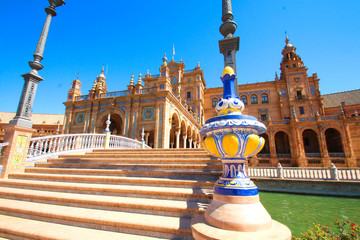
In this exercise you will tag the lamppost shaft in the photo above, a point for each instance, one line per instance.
(22, 117)
(42, 40)
(229, 45)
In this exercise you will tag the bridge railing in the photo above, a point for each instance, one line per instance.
(332, 173)
(43, 147)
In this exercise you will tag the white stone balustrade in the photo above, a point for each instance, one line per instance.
(48, 146)
(333, 173)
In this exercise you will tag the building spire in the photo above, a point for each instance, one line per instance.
(164, 59)
(139, 79)
(132, 80)
(173, 52)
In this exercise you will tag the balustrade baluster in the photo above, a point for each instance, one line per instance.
(50, 145)
(37, 144)
(31, 149)
(70, 143)
(45, 151)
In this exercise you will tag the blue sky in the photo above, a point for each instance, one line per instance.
(130, 37)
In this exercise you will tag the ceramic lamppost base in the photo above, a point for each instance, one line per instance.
(201, 230)
(238, 217)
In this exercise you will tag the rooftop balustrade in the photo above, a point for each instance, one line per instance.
(113, 94)
(82, 97)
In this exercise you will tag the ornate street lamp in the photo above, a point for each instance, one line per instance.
(32, 78)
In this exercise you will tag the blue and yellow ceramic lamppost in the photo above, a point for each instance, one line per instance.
(235, 211)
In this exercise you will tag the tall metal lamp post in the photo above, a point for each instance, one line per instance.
(18, 133)
(32, 78)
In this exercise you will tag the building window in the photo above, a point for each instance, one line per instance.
(188, 95)
(215, 101)
(254, 99)
(162, 73)
(301, 109)
(189, 80)
(244, 99)
(312, 90)
(264, 98)
(162, 86)
(263, 117)
(173, 80)
(283, 92)
(198, 78)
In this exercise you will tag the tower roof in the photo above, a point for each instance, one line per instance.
(102, 73)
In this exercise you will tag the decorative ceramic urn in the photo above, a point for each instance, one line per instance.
(233, 137)
(235, 211)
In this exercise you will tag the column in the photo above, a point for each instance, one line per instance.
(147, 134)
(177, 133)
(272, 145)
(156, 134)
(348, 149)
(184, 138)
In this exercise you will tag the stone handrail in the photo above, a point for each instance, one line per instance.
(332, 173)
(43, 147)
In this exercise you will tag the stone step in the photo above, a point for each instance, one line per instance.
(134, 223)
(139, 155)
(139, 166)
(159, 182)
(114, 203)
(150, 192)
(171, 150)
(135, 160)
(17, 228)
(174, 174)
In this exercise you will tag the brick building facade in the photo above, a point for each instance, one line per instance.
(305, 128)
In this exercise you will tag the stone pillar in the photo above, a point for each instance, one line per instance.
(348, 148)
(15, 154)
(301, 160)
(184, 138)
(190, 143)
(272, 145)
(177, 133)
(147, 134)
(156, 134)
(235, 211)
(323, 148)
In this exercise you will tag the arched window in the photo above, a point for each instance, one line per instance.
(254, 99)
(244, 100)
(173, 80)
(215, 101)
(264, 98)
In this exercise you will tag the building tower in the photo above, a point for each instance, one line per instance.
(75, 89)
(229, 45)
(299, 92)
(99, 86)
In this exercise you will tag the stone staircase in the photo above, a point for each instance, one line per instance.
(109, 194)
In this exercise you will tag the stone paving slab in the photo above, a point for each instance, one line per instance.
(80, 216)
(52, 231)
(153, 206)
(144, 181)
(110, 189)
